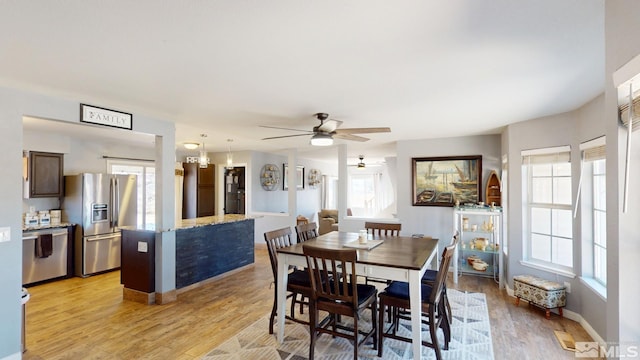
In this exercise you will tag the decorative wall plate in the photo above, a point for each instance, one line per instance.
(270, 177)
(314, 178)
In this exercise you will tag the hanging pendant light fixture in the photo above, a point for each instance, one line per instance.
(203, 160)
(229, 155)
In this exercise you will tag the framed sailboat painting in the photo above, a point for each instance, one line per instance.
(443, 181)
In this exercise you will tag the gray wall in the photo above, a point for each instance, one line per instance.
(437, 221)
(570, 129)
(622, 43)
(13, 106)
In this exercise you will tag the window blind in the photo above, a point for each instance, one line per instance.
(595, 149)
(623, 110)
(553, 155)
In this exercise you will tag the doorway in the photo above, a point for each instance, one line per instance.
(234, 190)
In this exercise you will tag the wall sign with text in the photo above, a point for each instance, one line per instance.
(101, 116)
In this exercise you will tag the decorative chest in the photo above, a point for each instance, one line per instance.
(543, 293)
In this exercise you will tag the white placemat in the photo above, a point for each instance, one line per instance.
(368, 246)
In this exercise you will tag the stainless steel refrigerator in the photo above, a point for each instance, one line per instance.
(99, 204)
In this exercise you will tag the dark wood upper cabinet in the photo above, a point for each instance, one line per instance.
(198, 191)
(44, 177)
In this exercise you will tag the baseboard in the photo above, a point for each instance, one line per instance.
(138, 296)
(16, 356)
(167, 297)
(571, 315)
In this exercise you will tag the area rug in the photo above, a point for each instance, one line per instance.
(470, 338)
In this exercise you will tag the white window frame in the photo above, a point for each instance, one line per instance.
(529, 205)
(592, 151)
(143, 208)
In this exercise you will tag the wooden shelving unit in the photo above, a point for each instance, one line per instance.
(493, 190)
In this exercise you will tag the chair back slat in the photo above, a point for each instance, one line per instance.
(333, 274)
(306, 232)
(382, 229)
(275, 240)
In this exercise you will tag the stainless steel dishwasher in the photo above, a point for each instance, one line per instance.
(36, 269)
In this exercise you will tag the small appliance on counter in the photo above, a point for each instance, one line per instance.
(43, 217)
(55, 217)
(30, 219)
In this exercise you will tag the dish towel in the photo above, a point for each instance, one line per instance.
(44, 245)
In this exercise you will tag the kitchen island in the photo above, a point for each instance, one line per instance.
(206, 247)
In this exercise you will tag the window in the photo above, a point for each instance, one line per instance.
(146, 187)
(370, 193)
(594, 210)
(599, 222)
(548, 218)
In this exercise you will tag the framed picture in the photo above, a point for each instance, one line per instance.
(441, 181)
(299, 177)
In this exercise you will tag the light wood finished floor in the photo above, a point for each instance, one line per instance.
(87, 319)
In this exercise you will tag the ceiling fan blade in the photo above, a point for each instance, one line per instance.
(349, 137)
(284, 136)
(363, 130)
(330, 125)
(281, 128)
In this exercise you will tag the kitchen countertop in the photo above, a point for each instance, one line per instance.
(197, 222)
(44, 227)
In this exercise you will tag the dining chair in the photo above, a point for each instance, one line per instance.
(298, 282)
(377, 230)
(396, 297)
(337, 292)
(383, 229)
(429, 277)
(306, 231)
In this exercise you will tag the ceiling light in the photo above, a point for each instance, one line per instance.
(203, 160)
(321, 139)
(361, 163)
(191, 145)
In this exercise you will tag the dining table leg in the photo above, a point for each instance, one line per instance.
(415, 299)
(281, 298)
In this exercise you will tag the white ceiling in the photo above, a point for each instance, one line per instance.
(426, 69)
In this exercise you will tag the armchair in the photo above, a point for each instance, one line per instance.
(328, 220)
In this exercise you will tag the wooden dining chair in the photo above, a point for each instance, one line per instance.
(382, 229)
(396, 297)
(306, 232)
(337, 292)
(429, 278)
(298, 282)
(379, 230)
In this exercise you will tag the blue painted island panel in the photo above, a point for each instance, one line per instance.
(203, 252)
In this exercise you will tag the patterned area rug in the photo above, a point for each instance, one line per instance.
(470, 332)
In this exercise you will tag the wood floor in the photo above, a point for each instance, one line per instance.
(87, 319)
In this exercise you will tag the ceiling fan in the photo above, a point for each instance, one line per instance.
(323, 134)
(362, 165)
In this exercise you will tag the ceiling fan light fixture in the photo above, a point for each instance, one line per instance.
(361, 163)
(321, 139)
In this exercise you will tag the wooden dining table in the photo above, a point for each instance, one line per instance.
(401, 258)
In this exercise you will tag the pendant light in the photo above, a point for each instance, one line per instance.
(229, 155)
(203, 160)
